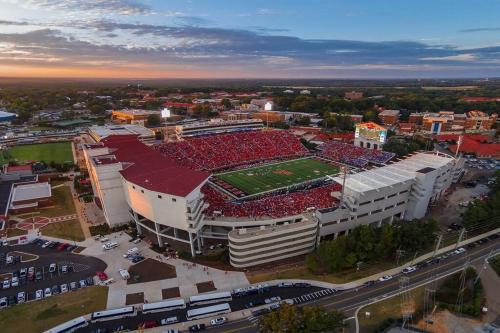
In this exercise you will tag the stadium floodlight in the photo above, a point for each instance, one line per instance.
(165, 113)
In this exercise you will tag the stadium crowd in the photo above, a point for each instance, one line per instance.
(221, 151)
(273, 205)
(353, 155)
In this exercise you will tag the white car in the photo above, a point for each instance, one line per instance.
(48, 292)
(14, 282)
(109, 246)
(9, 260)
(6, 284)
(52, 268)
(64, 288)
(104, 239)
(39, 294)
(21, 297)
(218, 321)
(459, 250)
(385, 278)
(409, 269)
(47, 243)
(272, 299)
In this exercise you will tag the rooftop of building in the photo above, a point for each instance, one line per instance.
(371, 125)
(146, 167)
(136, 112)
(107, 130)
(31, 191)
(389, 113)
(395, 173)
(17, 168)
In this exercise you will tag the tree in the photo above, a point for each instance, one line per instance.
(153, 120)
(226, 103)
(293, 319)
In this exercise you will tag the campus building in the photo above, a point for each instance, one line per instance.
(144, 134)
(132, 116)
(216, 126)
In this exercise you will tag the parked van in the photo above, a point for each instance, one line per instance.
(107, 282)
(124, 274)
(109, 246)
(3, 302)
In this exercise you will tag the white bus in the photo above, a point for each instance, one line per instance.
(208, 311)
(210, 298)
(128, 311)
(69, 326)
(164, 306)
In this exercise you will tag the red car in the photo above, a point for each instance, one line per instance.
(62, 246)
(102, 276)
(148, 324)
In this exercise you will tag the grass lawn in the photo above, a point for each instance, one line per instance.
(15, 232)
(63, 203)
(41, 315)
(495, 263)
(302, 272)
(389, 308)
(70, 229)
(273, 176)
(59, 152)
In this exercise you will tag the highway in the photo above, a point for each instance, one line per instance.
(347, 301)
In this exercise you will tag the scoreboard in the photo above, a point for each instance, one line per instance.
(371, 131)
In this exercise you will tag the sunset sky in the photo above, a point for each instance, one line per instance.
(250, 39)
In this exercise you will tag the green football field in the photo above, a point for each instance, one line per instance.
(273, 176)
(58, 152)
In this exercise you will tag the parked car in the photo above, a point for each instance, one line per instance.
(52, 268)
(23, 272)
(73, 286)
(64, 288)
(14, 282)
(218, 321)
(39, 294)
(102, 276)
(169, 320)
(83, 283)
(272, 299)
(285, 285)
(6, 284)
(275, 306)
(147, 324)
(21, 297)
(47, 292)
(64, 269)
(197, 328)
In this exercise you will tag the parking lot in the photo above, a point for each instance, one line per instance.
(67, 269)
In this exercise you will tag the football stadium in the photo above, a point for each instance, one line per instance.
(261, 192)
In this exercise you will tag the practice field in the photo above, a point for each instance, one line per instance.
(274, 176)
(58, 152)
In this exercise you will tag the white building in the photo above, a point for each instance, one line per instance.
(401, 190)
(101, 132)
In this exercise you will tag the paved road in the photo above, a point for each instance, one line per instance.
(347, 301)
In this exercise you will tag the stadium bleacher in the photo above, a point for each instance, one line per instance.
(353, 155)
(222, 151)
(275, 206)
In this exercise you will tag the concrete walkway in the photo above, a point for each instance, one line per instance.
(491, 284)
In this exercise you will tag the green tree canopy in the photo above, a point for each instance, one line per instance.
(293, 319)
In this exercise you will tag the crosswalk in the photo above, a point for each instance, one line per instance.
(298, 300)
(313, 296)
(254, 320)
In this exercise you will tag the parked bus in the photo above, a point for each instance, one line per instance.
(128, 311)
(210, 298)
(69, 326)
(164, 306)
(208, 311)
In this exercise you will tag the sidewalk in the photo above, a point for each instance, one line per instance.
(491, 284)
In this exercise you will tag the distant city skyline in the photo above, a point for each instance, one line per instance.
(249, 39)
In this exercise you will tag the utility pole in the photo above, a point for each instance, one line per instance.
(406, 303)
(438, 244)
(462, 233)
